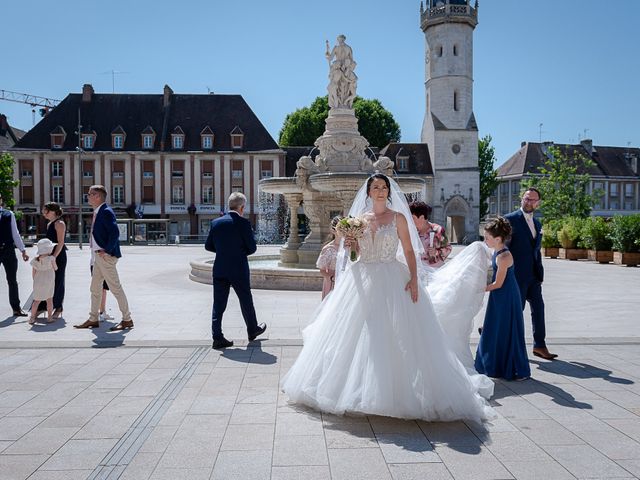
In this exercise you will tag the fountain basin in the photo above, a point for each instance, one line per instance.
(280, 185)
(265, 274)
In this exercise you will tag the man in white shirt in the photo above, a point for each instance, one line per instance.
(10, 240)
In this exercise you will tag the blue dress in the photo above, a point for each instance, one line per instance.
(502, 352)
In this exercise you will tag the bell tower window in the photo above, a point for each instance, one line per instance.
(455, 101)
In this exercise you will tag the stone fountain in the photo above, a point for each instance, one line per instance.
(327, 184)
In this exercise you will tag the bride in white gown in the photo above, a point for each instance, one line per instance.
(375, 345)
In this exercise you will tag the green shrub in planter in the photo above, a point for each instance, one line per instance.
(595, 234)
(550, 233)
(625, 233)
(569, 233)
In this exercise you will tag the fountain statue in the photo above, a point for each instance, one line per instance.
(327, 184)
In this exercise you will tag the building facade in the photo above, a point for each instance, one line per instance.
(615, 173)
(167, 156)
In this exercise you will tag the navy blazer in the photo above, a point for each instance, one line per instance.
(231, 238)
(527, 259)
(106, 232)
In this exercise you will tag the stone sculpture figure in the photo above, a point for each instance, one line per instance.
(342, 78)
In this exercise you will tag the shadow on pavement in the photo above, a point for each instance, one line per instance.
(579, 370)
(252, 353)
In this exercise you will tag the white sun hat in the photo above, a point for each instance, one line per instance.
(45, 246)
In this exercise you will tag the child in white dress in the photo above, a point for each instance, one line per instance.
(327, 259)
(44, 268)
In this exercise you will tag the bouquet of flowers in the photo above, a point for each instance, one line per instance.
(352, 228)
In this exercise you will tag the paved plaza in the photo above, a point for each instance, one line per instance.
(157, 403)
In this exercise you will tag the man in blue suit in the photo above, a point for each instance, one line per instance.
(105, 252)
(231, 238)
(526, 236)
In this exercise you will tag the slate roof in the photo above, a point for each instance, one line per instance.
(8, 135)
(419, 161)
(136, 112)
(609, 161)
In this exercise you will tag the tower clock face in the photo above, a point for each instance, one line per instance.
(455, 148)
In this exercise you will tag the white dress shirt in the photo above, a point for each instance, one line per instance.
(529, 218)
(94, 244)
(17, 239)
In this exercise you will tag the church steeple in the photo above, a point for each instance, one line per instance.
(449, 126)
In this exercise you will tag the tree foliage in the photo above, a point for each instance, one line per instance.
(488, 174)
(7, 183)
(563, 181)
(305, 125)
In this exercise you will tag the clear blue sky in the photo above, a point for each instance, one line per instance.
(571, 65)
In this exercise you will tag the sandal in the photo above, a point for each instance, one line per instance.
(57, 313)
(51, 320)
(32, 320)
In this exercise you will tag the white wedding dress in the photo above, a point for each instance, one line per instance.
(371, 350)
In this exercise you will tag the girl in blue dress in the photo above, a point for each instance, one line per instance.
(502, 352)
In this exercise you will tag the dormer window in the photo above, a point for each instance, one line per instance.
(88, 140)
(402, 163)
(177, 138)
(117, 138)
(237, 138)
(58, 136)
(206, 138)
(148, 138)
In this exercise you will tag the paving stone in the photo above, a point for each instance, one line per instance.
(181, 474)
(19, 467)
(406, 448)
(235, 465)
(306, 472)
(248, 437)
(159, 439)
(357, 464)
(253, 413)
(350, 435)
(79, 455)
(419, 471)
(299, 450)
(472, 462)
(632, 466)
(141, 466)
(584, 461)
(393, 425)
(614, 445)
(42, 440)
(450, 433)
(510, 445)
(547, 432)
(12, 428)
(106, 426)
(299, 424)
(629, 427)
(190, 453)
(537, 470)
(60, 475)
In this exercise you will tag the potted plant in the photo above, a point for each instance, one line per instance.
(569, 238)
(595, 238)
(550, 243)
(625, 234)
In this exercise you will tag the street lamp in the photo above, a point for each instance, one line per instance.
(79, 150)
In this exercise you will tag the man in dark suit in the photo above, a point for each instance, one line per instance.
(105, 252)
(9, 241)
(526, 236)
(231, 238)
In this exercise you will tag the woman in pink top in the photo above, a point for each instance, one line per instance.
(433, 236)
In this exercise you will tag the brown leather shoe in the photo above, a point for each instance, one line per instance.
(88, 324)
(543, 352)
(123, 325)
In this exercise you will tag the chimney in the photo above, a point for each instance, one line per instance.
(167, 96)
(587, 143)
(87, 92)
(522, 144)
(4, 125)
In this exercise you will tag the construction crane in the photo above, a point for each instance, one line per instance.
(45, 103)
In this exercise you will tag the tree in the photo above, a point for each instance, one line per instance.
(488, 174)
(305, 125)
(563, 180)
(7, 183)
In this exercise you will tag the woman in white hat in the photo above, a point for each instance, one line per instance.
(44, 279)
